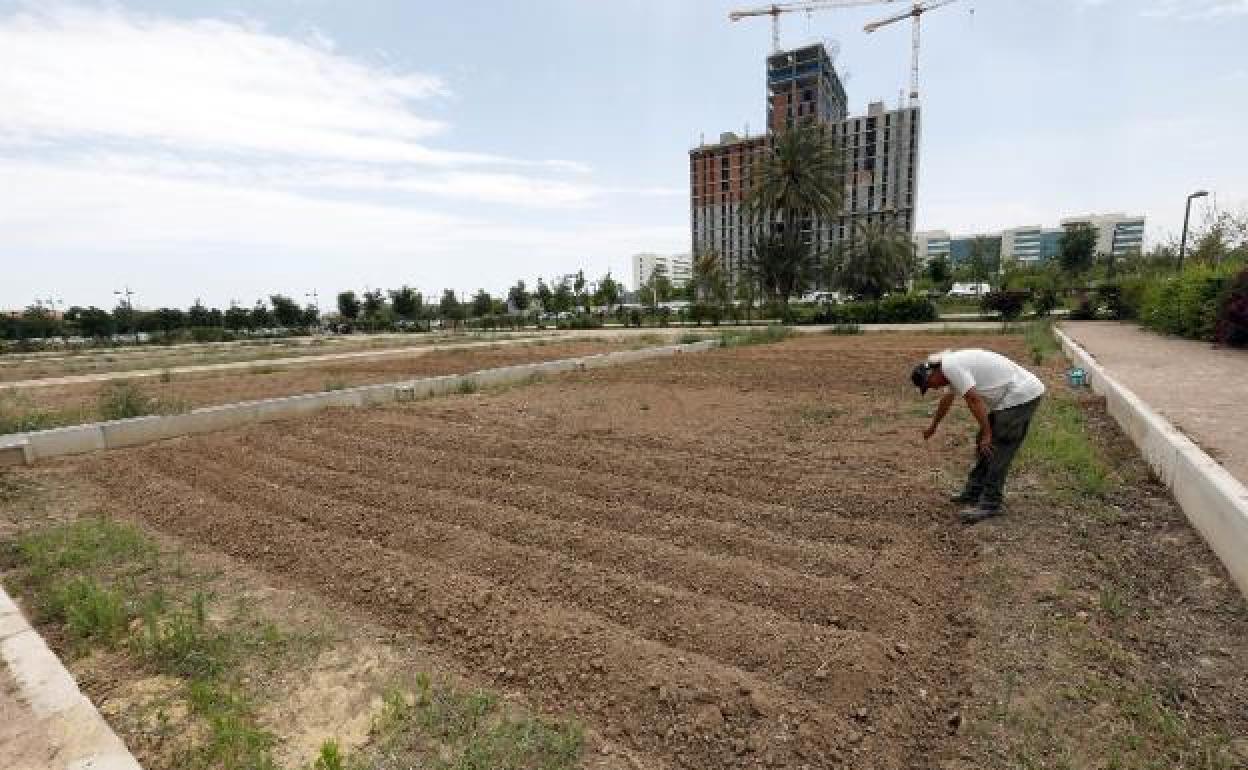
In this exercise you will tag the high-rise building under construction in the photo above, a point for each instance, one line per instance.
(881, 160)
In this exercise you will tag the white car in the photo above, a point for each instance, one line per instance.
(970, 289)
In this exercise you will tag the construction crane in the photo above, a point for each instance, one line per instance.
(916, 12)
(776, 9)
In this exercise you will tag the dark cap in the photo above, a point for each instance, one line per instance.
(919, 376)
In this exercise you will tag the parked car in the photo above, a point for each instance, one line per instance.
(970, 289)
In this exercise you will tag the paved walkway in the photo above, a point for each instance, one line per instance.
(1202, 390)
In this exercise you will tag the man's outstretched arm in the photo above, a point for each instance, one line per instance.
(942, 409)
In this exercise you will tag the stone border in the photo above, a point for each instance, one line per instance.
(114, 434)
(67, 721)
(1215, 502)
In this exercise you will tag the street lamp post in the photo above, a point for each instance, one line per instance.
(134, 322)
(1187, 212)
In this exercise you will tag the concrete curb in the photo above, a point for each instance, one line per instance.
(1215, 502)
(26, 448)
(65, 718)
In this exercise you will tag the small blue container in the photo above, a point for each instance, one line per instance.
(1077, 378)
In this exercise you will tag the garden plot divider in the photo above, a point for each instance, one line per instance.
(1215, 502)
(26, 448)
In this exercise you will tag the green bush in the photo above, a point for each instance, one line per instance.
(1007, 304)
(897, 308)
(121, 400)
(1186, 305)
(1232, 326)
(1043, 301)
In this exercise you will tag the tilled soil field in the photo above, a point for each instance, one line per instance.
(223, 387)
(727, 559)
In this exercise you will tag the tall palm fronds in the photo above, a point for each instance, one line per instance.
(878, 259)
(799, 178)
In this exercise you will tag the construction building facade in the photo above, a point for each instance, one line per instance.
(880, 149)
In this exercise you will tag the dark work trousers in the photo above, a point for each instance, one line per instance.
(1009, 427)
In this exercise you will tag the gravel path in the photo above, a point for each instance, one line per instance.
(1199, 388)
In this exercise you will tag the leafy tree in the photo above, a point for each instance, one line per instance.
(984, 257)
(261, 318)
(237, 318)
(286, 311)
(406, 302)
(450, 307)
(374, 304)
(94, 322)
(545, 297)
(782, 265)
(608, 291)
(482, 303)
(519, 296)
(563, 298)
(940, 273)
(1076, 248)
(578, 289)
(198, 315)
(311, 316)
(348, 305)
(876, 261)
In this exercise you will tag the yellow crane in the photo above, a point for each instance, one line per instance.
(776, 9)
(916, 12)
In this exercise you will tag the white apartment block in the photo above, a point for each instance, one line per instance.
(1117, 234)
(678, 267)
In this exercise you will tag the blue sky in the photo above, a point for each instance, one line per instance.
(300, 145)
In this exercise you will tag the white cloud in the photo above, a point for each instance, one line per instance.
(1196, 9)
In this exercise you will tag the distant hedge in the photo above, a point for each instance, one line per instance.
(896, 308)
(1207, 303)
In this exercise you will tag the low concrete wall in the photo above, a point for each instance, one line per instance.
(1215, 502)
(55, 715)
(79, 439)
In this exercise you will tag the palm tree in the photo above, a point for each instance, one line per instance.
(797, 184)
(708, 273)
(877, 260)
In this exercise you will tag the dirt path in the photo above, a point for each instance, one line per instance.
(716, 561)
(227, 386)
(1201, 389)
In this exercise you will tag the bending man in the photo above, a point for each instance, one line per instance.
(1002, 396)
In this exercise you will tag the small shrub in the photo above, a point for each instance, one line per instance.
(88, 610)
(18, 414)
(1232, 326)
(329, 757)
(335, 384)
(468, 387)
(844, 328)
(121, 400)
(1043, 302)
(166, 376)
(1007, 304)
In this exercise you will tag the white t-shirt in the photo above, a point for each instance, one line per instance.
(998, 380)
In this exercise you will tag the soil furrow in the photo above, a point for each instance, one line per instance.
(735, 634)
(652, 695)
(782, 594)
(706, 536)
(771, 516)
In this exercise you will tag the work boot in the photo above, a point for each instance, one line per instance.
(979, 513)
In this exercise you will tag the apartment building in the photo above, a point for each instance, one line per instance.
(677, 267)
(803, 88)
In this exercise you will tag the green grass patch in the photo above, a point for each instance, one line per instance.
(768, 334)
(123, 400)
(335, 384)
(455, 730)
(467, 387)
(847, 329)
(18, 414)
(1058, 445)
(104, 584)
(1041, 343)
